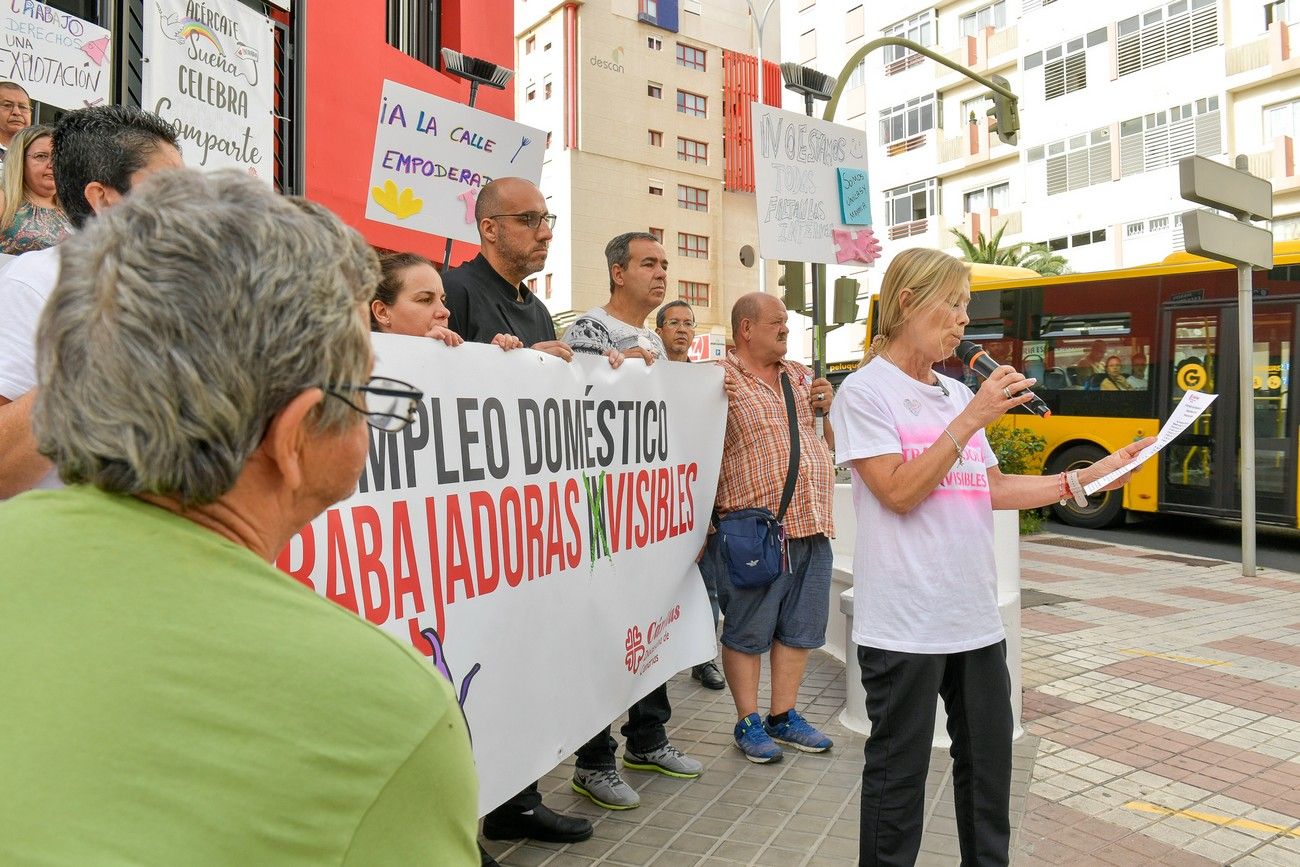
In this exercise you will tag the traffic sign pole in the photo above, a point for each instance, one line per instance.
(1248, 247)
(1246, 376)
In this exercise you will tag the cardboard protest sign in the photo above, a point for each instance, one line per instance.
(432, 156)
(535, 533)
(796, 167)
(59, 58)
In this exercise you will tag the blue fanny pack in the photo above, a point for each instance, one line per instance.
(753, 545)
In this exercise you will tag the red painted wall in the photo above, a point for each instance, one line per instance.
(347, 60)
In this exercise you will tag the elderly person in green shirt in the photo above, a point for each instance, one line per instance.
(170, 696)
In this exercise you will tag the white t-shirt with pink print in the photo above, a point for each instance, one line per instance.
(924, 582)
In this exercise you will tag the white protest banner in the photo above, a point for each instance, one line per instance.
(59, 58)
(432, 156)
(539, 521)
(209, 72)
(798, 188)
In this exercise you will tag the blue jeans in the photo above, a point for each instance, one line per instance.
(713, 570)
(792, 609)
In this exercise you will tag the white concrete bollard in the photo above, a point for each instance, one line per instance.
(1006, 552)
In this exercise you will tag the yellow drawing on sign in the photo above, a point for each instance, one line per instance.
(400, 205)
(1192, 377)
(1274, 382)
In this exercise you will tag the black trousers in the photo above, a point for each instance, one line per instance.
(901, 690)
(644, 731)
(520, 803)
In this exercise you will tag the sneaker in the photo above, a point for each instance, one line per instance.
(753, 741)
(667, 760)
(606, 788)
(796, 732)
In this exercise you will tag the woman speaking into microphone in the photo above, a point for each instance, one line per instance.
(925, 484)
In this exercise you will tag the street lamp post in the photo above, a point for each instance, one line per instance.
(759, 22)
(813, 85)
(477, 72)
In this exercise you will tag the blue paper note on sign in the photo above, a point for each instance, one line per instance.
(855, 197)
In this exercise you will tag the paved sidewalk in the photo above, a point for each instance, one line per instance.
(1162, 719)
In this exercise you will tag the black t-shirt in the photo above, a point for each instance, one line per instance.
(483, 304)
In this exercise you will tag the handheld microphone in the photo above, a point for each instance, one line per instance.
(974, 356)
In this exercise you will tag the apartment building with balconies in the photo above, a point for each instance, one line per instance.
(1112, 94)
(645, 104)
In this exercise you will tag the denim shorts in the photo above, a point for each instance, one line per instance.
(792, 609)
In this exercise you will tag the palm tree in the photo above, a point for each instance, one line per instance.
(1035, 256)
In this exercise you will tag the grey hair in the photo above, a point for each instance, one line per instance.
(184, 319)
(619, 251)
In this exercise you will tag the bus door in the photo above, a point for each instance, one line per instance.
(1200, 471)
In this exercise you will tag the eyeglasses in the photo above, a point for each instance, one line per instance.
(10, 105)
(679, 323)
(531, 219)
(390, 403)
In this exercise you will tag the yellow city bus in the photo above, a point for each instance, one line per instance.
(1168, 328)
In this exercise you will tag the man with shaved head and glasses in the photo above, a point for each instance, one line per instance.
(487, 295)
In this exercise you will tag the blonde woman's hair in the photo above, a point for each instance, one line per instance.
(935, 279)
(14, 180)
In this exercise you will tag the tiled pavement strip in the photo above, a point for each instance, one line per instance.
(1162, 726)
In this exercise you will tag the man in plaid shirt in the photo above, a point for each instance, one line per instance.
(788, 617)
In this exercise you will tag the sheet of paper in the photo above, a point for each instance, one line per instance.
(1192, 405)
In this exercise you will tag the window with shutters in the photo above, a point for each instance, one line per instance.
(908, 119)
(854, 21)
(808, 47)
(994, 15)
(1161, 138)
(1065, 69)
(919, 29)
(1165, 33)
(1076, 162)
(413, 28)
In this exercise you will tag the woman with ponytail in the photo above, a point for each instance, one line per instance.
(925, 484)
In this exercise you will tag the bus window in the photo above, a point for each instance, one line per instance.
(1093, 352)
